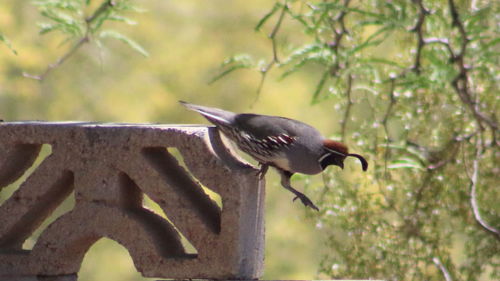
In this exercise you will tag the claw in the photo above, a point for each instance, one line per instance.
(285, 182)
(261, 173)
(306, 201)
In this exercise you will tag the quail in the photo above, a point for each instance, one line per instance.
(288, 145)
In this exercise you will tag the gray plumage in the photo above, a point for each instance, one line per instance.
(278, 141)
(288, 145)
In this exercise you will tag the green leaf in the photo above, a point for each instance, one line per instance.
(307, 50)
(300, 19)
(226, 72)
(122, 19)
(100, 19)
(297, 66)
(57, 16)
(47, 27)
(63, 22)
(267, 16)
(233, 63)
(405, 163)
(71, 6)
(118, 36)
(239, 59)
(370, 41)
(320, 86)
(7, 42)
(381, 61)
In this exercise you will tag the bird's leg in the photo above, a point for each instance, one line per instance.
(285, 182)
(263, 170)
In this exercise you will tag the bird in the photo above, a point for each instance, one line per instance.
(290, 146)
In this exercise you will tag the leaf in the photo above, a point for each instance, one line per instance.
(267, 16)
(71, 6)
(306, 50)
(297, 66)
(381, 61)
(63, 22)
(405, 163)
(370, 41)
(57, 16)
(122, 19)
(320, 86)
(47, 27)
(233, 63)
(492, 43)
(7, 42)
(98, 21)
(300, 19)
(118, 36)
(226, 72)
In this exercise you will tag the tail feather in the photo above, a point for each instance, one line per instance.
(212, 114)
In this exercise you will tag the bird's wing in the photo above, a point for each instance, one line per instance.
(274, 130)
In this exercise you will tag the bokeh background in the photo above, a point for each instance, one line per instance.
(406, 120)
(187, 41)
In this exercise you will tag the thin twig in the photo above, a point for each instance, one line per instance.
(440, 265)
(418, 29)
(452, 145)
(348, 107)
(392, 101)
(443, 41)
(105, 6)
(59, 61)
(275, 58)
(338, 35)
(420, 191)
(473, 189)
(461, 82)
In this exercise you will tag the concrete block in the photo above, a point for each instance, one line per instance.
(109, 167)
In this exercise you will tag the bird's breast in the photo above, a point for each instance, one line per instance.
(282, 163)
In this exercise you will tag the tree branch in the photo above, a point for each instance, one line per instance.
(392, 101)
(105, 6)
(418, 29)
(338, 35)
(461, 82)
(348, 107)
(473, 189)
(59, 61)
(275, 58)
(440, 265)
(443, 41)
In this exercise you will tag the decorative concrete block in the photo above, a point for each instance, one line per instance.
(109, 167)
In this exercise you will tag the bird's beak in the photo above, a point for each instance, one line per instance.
(339, 162)
(364, 163)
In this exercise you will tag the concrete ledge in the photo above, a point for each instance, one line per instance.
(109, 167)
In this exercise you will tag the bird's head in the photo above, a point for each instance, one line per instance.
(335, 154)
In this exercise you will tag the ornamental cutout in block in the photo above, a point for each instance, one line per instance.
(109, 167)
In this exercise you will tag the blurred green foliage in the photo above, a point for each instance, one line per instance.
(417, 83)
(412, 85)
(7, 42)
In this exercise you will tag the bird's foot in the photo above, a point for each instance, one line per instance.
(262, 171)
(305, 200)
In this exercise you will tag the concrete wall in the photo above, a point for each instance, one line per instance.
(108, 168)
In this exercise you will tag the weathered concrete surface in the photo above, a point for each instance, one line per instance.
(109, 167)
(71, 277)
